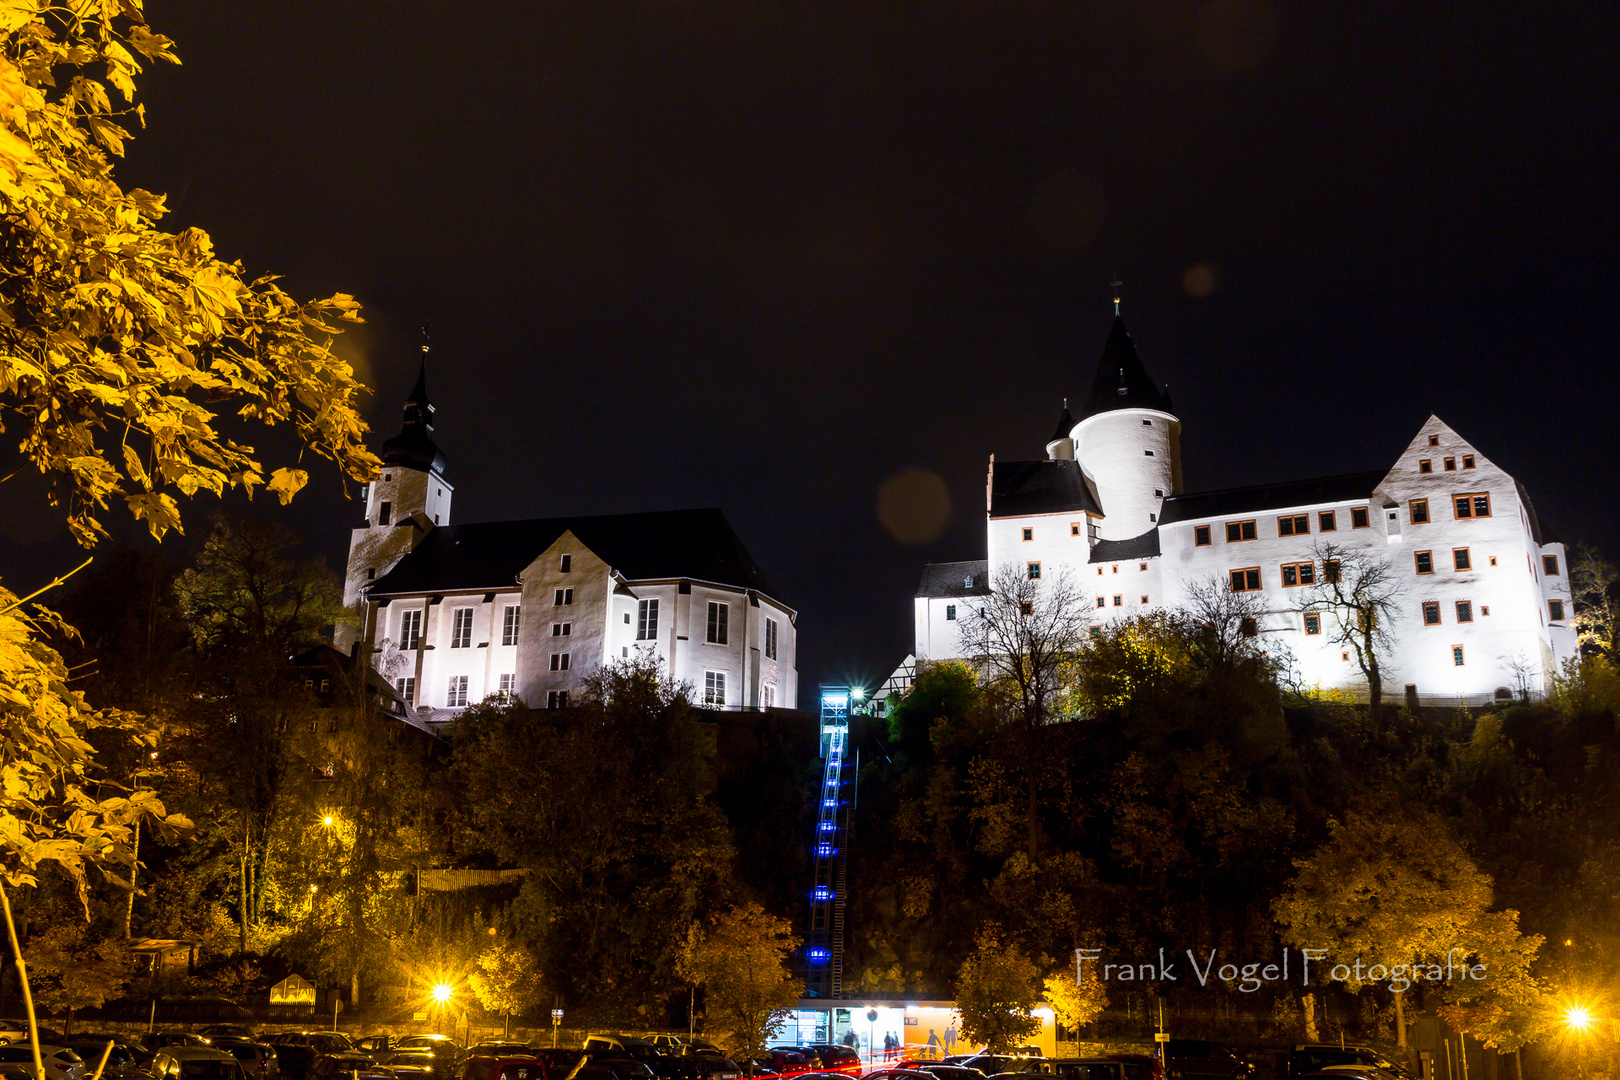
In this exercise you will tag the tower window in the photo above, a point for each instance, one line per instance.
(387, 477)
(1158, 493)
(384, 509)
(559, 661)
(567, 563)
(718, 626)
(1147, 423)
(1549, 564)
(562, 629)
(461, 628)
(563, 596)
(1555, 610)
(1148, 453)
(1074, 528)
(371, 573)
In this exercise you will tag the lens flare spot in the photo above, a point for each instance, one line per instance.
(914, 505)
(1199, 280)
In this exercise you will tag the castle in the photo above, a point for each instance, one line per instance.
(1481, 595)
(458, 613)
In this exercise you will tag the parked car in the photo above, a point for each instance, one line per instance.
(1154, 1066)
(12, 1031)
(425, 1042)
(347, 1063)
(941, 1071)
(499, 1046)
(416, 1063)
(1352, 1072)
(296, 1051)
(125, 1061)
(504, 1065)
(61, 1062)
(1185, 1059)
(195, 1063)
(1100, 1068)
(990, 1064)
(1313, 1057)
(662, 1065)
(258, 1059)
(235, 1031)
(776, 1062)
(155, 1040)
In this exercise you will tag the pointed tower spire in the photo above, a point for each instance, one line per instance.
(413, 447)
(1121, 381)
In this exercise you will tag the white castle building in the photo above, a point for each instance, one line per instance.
(1483, 595)
(457, 613)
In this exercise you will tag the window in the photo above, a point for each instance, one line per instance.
(1239, 530)
(1102, 602)
(556, 699)
(509, 624)
(1358, 517)
(1200, 536)
(770, 639)
(508, 686)
(1420, 511)
(1549, 565)
(950, 612)
(1345, 655)
(1119, 601)
(461, 628)
(1330, 570)
(1434, 440)
(1147, 453)
(1451, 464)
(567, 563)
(562, 629)
(458, 692)
(559, 661)
(407, 689)
(1425, 466)
(1424, 561)
(1033, 570)
(1246, 580)
(714, 688)
(1248, 626)
(1029, 534)
(767, 697)
(1472, 506)
(1026, 607)
(1431, 613)
(371, 573)
(1074, 528)
(1147, 423)
(1313, 623)
(647, 620)
(1460, 560)
(967, 583)
(1294, 525)
(1555, 610)
(384, 509)
(1457, 655)
(410, 630)
(1484, 612)
(719, 632)
(1116, 568)
(1493, 560)
(1468, 461)
(1465, 611)
(563, 596)
(1303, 573)
(1144, 600)
(1326, 521)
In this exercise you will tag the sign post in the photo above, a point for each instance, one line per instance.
(556, 1022)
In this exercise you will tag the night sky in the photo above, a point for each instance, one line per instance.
(792, 259)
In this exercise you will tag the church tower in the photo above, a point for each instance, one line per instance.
(1128, 442)
(407, 500)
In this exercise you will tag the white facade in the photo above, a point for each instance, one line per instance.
(1483, 598)
(456, 614)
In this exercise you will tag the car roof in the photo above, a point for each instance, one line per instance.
(195, 1053)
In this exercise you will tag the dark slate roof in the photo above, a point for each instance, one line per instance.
(1350, 487)
(414, 447)
(949, 578)
(1065, 423)
(1020, 488)
(1137, 547)
(696, 544)
(1121, 381)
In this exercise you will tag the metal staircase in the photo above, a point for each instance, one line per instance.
(824, 950)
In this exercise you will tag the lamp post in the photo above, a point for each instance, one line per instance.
(442, 993)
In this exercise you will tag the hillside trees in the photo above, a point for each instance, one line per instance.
(741, 958)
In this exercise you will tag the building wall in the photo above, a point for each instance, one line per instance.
(1133, 459)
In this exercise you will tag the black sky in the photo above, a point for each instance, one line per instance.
(764, 256)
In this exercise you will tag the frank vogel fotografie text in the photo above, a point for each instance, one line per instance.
(1249, 977)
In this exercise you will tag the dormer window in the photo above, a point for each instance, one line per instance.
(967, 583)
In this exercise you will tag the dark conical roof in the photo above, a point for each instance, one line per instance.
(1121, 381)
(1065, 424)
(413, 447)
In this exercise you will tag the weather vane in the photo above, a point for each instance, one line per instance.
(1119, 286)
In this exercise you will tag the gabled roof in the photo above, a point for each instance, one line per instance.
(1122, 382)
(665, 545)
(1349, 487)
(952, 578)
(1137, 547)
(1022, 488)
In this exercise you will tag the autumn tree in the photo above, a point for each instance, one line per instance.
(996, 992)
(76, 969)
(1357, 596)
(741, 959)
(505, 981)
(1395, 890)
(120, 347)
(1075, 1003)
(1594, 585)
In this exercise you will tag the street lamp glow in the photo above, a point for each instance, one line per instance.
(442, 992)
(327, 820)
(1578, 1018)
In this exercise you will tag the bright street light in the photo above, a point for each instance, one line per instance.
(442, 992)
(327, 820)
(1578, 1018)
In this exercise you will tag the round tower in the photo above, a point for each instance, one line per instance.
(1128, 442)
